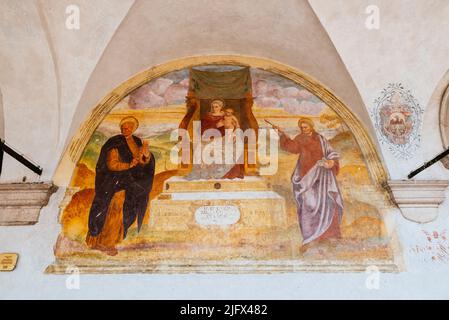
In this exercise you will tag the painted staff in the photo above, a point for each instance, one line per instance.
(274, 126)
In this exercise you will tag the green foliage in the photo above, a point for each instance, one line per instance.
(92, 150)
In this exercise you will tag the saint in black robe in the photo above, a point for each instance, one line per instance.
(137, 183)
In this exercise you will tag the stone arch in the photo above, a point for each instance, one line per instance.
(134, 46)
(436, 120)
(444, 123)
(81, 138)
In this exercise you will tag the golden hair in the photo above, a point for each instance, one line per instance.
(132, 120)
(307, 121)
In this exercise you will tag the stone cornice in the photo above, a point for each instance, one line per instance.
(21, 203)
(419, 200)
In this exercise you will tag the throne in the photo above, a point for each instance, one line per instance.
(229, 213)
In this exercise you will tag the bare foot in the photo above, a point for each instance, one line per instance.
(111, 251)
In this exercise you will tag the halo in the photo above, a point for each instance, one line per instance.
(132, 120)
(306, 120)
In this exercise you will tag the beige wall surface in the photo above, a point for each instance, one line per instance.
(43, 70)
(408, 48)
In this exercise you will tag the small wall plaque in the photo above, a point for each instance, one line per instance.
(8, 261)
(217, 215)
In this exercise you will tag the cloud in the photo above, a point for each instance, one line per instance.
(305, 95)
(175, 94)
(260, 88)
(293, 106)
(275, 90)
(158, 93)
(267, 93)
(290, 104)
(268, 102)
(160, 85)
(293, 92)
(314, 108)
(157, 129)
(145, 130)
(294, 100)
(144, 97)
(185, 82)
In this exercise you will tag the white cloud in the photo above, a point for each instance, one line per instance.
(268, 102)
(293, 92)
(185, 82)
(290, 104)
(260, 88)
(294, 106)
(176, 93)
(144, 97)
(160, 85)
(267, 93)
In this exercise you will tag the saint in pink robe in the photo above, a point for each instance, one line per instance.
(318, 198)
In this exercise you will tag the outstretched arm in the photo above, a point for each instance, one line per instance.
(288, 144)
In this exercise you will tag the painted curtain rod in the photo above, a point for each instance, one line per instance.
(27, 163)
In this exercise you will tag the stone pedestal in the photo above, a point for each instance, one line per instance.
(21, 203)
(222, 213)
(419, 200)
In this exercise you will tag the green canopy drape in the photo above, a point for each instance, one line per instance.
(233, 84)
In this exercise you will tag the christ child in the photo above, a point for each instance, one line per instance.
(230, 121)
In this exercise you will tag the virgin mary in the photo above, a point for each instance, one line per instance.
(214, 118)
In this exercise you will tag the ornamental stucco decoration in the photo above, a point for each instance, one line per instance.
(397, 117)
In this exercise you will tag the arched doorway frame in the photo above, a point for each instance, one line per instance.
(444, 123)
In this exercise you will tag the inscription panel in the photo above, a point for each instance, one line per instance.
(217, 215)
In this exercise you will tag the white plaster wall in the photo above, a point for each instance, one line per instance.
(424, 278)
(28, 85)
(76, 51)
(409, 48)
(2, 120)
(44, 67)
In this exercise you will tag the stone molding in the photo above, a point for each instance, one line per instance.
(419, 200)
(21, 203)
